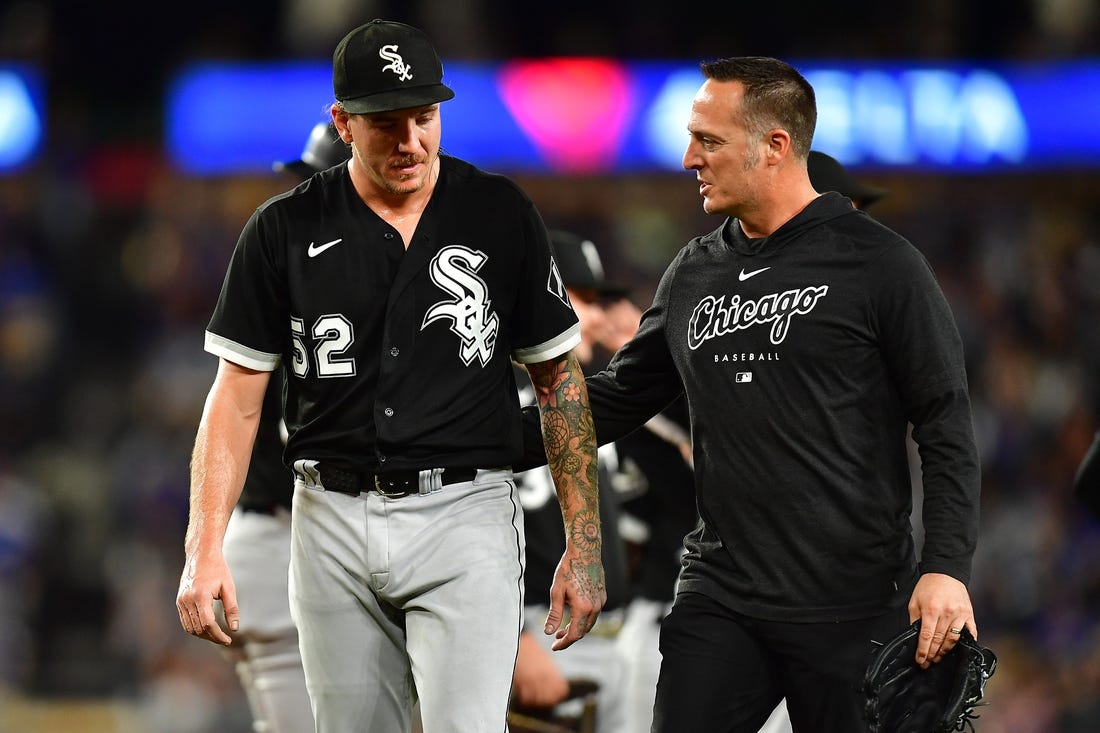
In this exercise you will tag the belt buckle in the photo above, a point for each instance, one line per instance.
(388, 494)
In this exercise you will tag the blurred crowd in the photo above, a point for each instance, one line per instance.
(110, 263)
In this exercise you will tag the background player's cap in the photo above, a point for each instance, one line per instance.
(579, 264)
(323, 149)
(383, 65)
(827, 174)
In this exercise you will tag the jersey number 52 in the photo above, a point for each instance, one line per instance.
(331, 336)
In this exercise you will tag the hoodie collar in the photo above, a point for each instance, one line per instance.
(825, 207)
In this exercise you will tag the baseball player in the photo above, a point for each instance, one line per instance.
(542, 677)
(657, 511)
(257, 538)
(829, 174)
(396, 289)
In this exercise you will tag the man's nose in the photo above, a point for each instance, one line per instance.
(406, 135)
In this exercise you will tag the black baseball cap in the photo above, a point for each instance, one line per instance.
(384, 65)
(323, 149)
(579, 264)
(827, 174)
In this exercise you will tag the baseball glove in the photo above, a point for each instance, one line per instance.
(900, 697)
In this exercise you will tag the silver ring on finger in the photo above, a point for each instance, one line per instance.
(956, 631)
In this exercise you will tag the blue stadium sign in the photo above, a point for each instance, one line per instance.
(21, 123)
(579, 116)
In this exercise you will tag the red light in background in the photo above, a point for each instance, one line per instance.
(575, 110)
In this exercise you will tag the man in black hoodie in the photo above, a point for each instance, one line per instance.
(806, 337)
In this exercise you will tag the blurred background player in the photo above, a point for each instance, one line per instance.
(827, 174)
(655, 484)
(257, 539)
(323, 150)
(541, 684)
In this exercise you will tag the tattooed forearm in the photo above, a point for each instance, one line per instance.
(586, 537)
(586, 531)
(570, 438)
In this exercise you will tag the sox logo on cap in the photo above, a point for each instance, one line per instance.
(397, 64)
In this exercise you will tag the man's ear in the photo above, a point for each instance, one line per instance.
(779, 145)
(340, 122)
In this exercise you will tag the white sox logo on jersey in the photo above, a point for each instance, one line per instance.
(712, 317)
(396, 64)
(454, 270)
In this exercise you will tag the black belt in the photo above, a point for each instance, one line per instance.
(393, 485)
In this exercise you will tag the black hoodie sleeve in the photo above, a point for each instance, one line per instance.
(641, 379)
(923, 349)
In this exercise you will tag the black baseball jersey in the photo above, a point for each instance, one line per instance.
(804, 356)
(395, 359)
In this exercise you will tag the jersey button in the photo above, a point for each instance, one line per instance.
(388, 411)
(381, 459)
(394, 351)
(388, 235)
